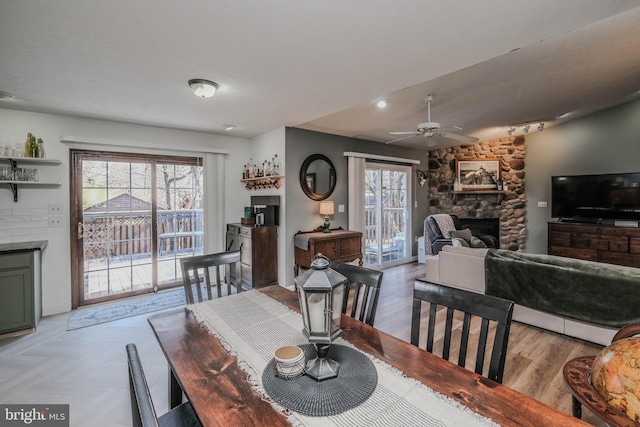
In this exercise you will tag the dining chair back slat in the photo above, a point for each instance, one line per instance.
(196, 267)
(366, 284)
(143, 413)
(492, 311)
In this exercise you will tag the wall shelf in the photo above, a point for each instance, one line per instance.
(263, 182)
(13, 161)
(499, 193)
(30, 161)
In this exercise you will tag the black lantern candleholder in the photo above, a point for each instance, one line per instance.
(321, 291)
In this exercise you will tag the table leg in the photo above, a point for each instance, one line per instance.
(576, 407)
(175, 391)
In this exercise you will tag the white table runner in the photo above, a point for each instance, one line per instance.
(252, 326)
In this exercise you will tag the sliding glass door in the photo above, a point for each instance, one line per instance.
(388, 214)
(135, 216)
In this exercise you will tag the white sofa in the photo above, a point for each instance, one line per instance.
(463, 267)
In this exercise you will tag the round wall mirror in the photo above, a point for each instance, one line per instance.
(317, 177)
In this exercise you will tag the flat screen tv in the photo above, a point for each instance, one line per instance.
(590, 198)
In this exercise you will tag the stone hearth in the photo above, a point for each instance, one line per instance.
(510, 210)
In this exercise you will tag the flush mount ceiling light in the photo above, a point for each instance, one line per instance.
(383, 103)
(203, 88)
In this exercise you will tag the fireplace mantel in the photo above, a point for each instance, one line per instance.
(499, 193)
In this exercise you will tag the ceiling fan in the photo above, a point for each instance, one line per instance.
(430, 128)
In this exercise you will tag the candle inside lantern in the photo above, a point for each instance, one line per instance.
(317, 305)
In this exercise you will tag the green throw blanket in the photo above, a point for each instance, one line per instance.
(593, 292)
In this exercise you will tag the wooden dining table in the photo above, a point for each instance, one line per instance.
(221, 395)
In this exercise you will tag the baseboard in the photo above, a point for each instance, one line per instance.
(50, 311)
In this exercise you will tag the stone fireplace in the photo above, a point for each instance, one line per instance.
(506, 212)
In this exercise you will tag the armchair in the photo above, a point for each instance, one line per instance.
(438, 230)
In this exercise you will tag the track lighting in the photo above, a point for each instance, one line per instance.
(525, 127)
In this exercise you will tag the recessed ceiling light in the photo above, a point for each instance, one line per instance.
(229, 127)
(564, 116)
(203, 88)
(383, 103)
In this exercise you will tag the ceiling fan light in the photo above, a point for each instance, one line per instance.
(383, 103)
(203, 88)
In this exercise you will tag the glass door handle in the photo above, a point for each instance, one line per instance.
(80, 231)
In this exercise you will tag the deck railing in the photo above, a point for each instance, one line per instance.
(120, 234)
(393, 224)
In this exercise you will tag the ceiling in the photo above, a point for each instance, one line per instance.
(321, 65)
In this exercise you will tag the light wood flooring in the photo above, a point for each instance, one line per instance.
(87, 368)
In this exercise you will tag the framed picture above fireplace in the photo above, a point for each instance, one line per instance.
(478, 174)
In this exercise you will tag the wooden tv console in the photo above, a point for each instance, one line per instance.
(595, 242)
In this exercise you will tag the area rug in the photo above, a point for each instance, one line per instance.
(109, 312)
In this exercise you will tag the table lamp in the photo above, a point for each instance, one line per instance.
(326, 209)
(321, 291)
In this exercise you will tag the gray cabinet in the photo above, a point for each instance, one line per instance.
(20, 289)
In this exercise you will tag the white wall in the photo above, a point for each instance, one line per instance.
(605, 142)
(26, 220)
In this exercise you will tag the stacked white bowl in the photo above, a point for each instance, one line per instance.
(289, 361)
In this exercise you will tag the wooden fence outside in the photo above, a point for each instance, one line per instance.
(120, 234)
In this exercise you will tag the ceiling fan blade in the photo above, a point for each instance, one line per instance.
(404, 133)
(404, 137)
(458, 137)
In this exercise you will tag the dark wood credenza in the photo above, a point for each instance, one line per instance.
(339, 245)
(595, 242)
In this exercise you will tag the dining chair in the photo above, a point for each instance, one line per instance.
(143, 412)
(365, 283)
(490, 309)
(196, 267)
